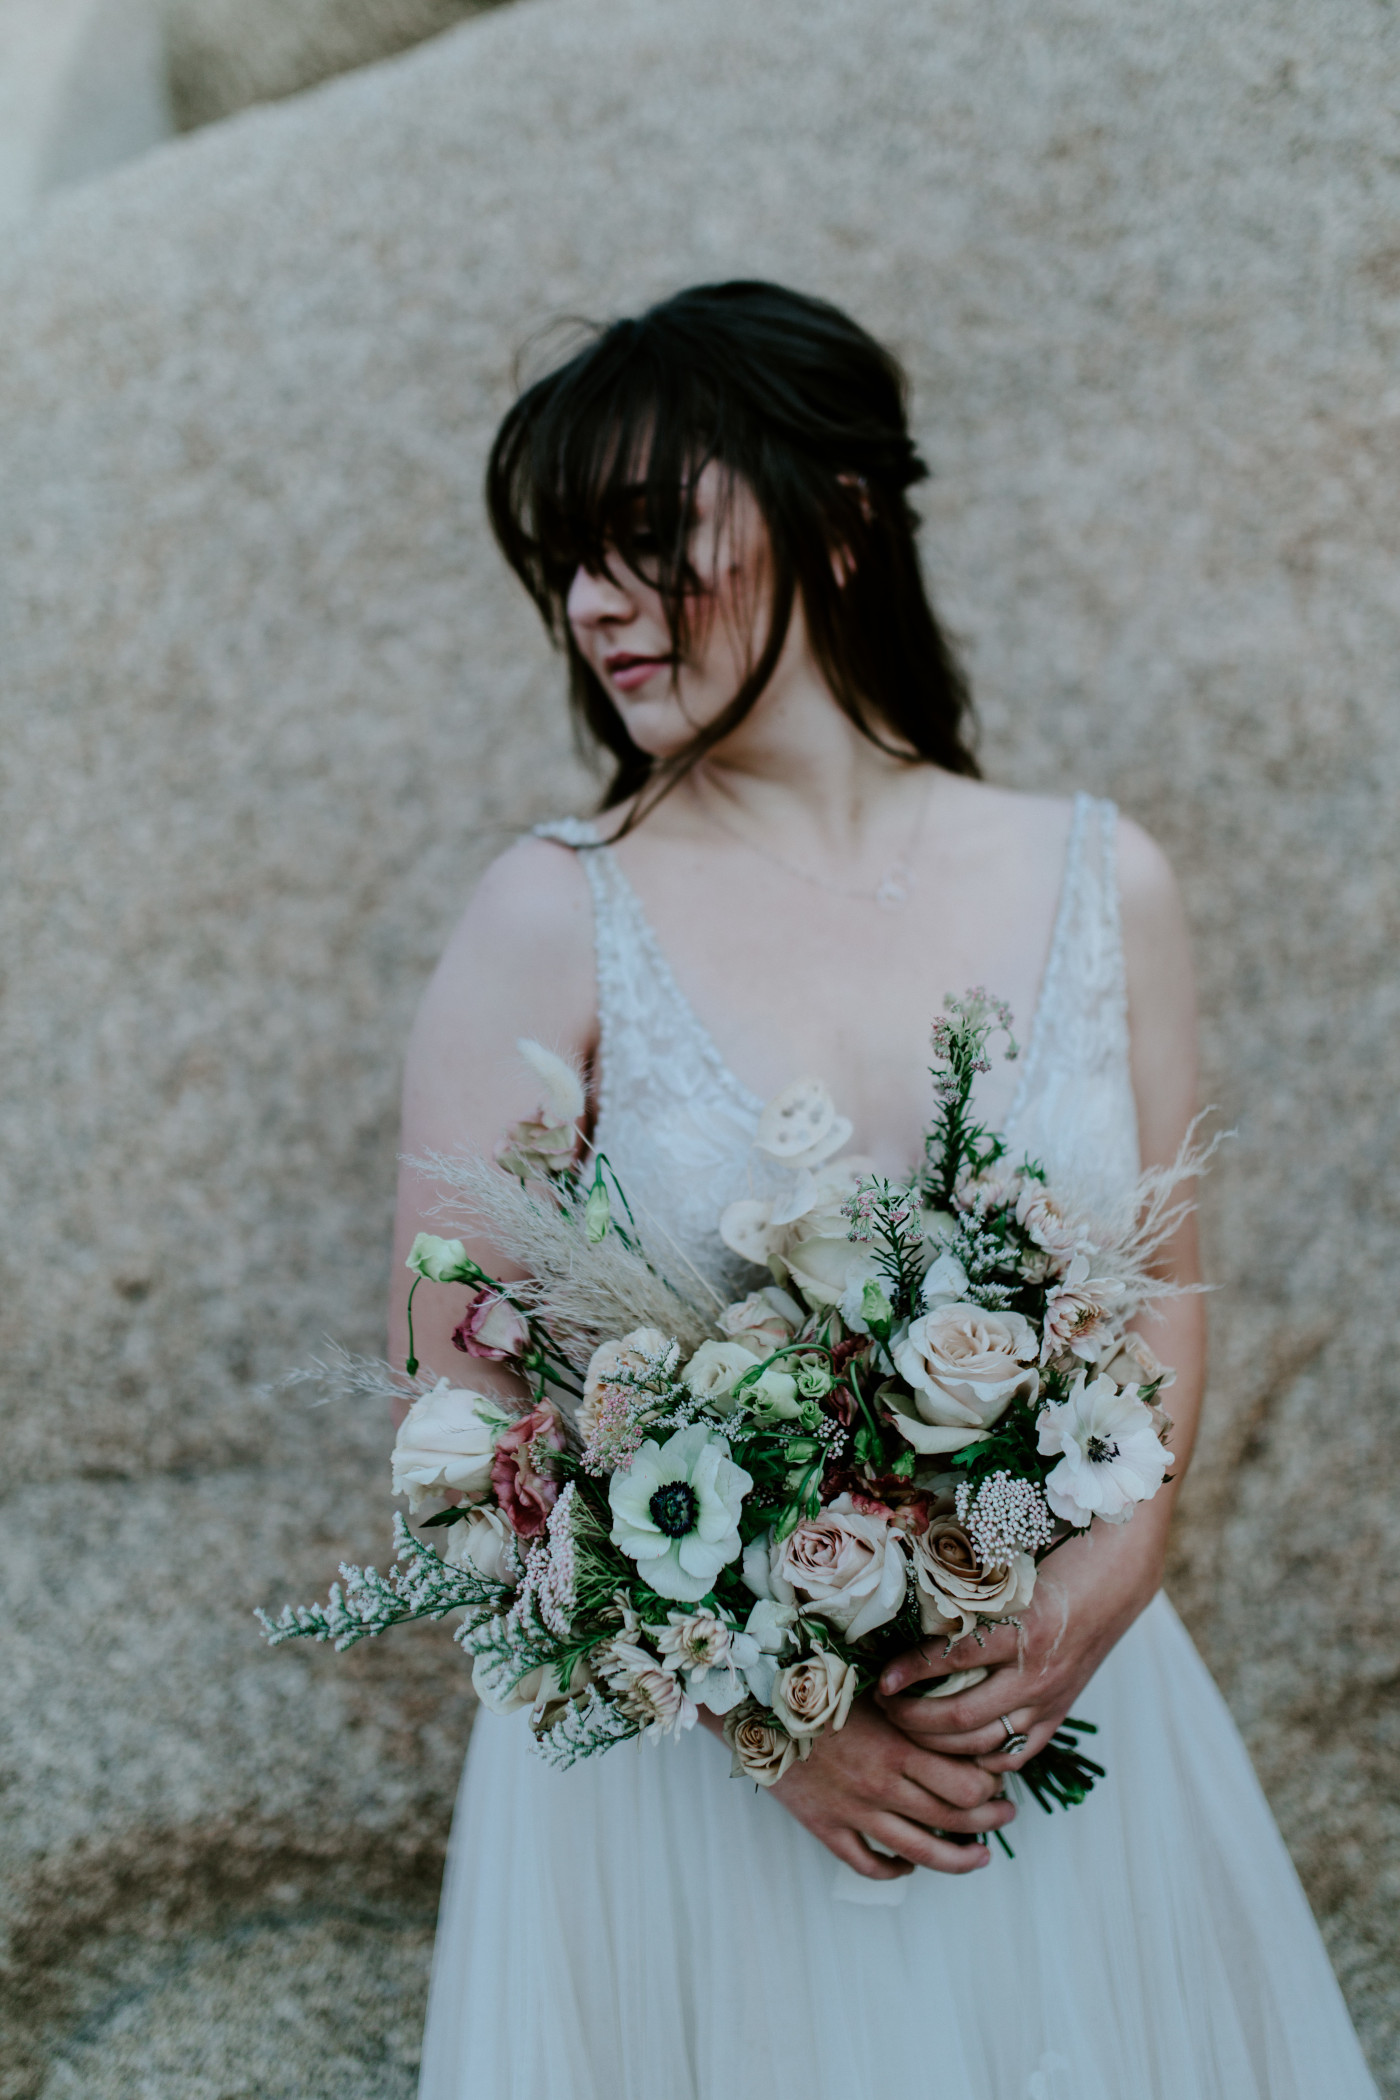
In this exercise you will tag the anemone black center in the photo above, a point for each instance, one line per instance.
(1099, 1450)
(674, 1508)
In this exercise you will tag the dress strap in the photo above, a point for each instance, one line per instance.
(1074, 1107)
(640, 1004)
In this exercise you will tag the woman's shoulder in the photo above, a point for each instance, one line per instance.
(537, 883)
(1042, 823)
(524, 935)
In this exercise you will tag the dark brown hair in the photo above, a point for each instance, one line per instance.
(789, 395)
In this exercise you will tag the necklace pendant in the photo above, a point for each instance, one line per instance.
(892, 891)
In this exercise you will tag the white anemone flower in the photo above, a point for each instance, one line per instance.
(676, 1512)
(1112, 1456)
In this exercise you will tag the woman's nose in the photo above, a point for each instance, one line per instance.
(594, 598)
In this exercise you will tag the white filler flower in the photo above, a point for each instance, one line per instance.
(1112, 1455)
(676, 1512)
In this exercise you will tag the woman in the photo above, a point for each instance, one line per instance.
(709, 506)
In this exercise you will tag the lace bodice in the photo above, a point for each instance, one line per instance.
(677, 1125)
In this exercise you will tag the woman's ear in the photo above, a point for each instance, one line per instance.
(843, 562)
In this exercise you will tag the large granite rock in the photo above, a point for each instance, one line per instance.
(226, 54)
(270, 700)
(82, 88)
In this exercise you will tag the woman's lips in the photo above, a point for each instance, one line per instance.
(629, 672)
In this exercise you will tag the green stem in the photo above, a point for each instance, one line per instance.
(411, 1361)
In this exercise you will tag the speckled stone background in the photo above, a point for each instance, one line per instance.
(270, 701)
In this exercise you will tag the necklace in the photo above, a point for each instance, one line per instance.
(891, 893)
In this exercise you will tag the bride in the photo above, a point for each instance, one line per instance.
(796, 861)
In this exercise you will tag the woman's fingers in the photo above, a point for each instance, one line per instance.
(920, 1665)
(921, 1847)
(954, 1781)
(932, 1814)
(952, 1724)
(850, 1846)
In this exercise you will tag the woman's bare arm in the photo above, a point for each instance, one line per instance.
(520, 963)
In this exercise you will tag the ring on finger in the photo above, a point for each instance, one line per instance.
(1015, 1742)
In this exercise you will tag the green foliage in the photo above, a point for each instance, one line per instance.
(956, 1141)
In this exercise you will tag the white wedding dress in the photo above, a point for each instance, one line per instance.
(644, 1927)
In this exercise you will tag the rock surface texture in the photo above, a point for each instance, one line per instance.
(270, 701)
(226, 54)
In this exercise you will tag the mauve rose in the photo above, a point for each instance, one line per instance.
(955, 1589)
(762, 1750)
(524, 1493)
(847, 1568)
(492, 1327)
(814, 1694)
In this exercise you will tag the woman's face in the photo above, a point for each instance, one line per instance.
(618, 622)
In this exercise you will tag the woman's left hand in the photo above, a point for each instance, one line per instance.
(1087, 1595)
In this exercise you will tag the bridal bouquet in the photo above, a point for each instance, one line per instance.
(750, 1507)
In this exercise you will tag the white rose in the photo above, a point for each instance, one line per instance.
(715, 1370)
(484, 1542)
(823, 1260)
(965, 1366)
(851, 1570)
(814, 1694)
(762, 1749)
(805, 1237)
(445, 1445)
(552, 1696)
(955, 1589)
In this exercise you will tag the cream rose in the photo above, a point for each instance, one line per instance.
(851, 1570)
(814, 1694)
(965, 1366)
(715, 1370)
(446, 1444)
(762, 1749)
(955, 1589)
(764, 1321)
(484, 1542)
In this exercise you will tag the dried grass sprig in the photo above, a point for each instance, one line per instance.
(586, 1292)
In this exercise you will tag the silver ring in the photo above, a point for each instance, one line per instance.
(1015, 1742)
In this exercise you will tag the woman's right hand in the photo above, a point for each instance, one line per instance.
(867, 1780)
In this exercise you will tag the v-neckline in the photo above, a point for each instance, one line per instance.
(709, 1049)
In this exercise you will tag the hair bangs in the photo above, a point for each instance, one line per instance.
(598, 461)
